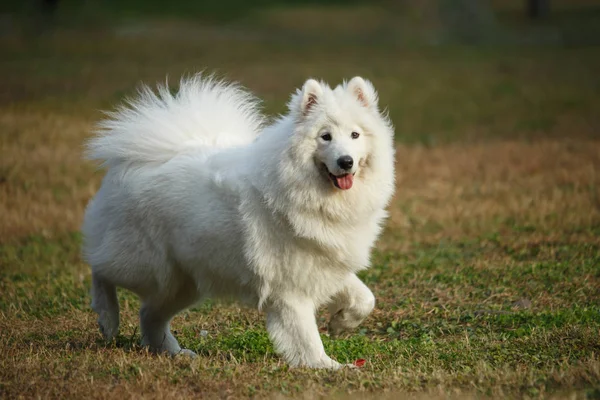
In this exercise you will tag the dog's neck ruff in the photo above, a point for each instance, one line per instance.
(312, 207)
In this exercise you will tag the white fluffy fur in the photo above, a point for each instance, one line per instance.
(201, 199)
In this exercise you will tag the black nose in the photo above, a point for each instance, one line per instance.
(345, 162)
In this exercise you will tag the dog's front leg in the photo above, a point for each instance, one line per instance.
(293, 329)
(350, 306)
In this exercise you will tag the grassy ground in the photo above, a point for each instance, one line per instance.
(488, 273)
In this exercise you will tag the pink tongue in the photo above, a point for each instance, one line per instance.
(345, 182)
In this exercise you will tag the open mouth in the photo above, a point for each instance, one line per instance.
(343, 182)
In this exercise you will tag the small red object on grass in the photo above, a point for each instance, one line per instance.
(360, 362)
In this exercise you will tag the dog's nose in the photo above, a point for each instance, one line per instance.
(345, 162)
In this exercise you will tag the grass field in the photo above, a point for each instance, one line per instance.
(488, 273)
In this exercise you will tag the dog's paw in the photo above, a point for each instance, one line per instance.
(185, 353)
(339, 323)
(335, 366)
(344, 320)
(108, 328)
(326, 363)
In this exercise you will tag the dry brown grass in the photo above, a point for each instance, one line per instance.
(467, 190)
(443, 192)
(45, 183)
(458, 189)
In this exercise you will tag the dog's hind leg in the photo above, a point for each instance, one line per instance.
(105, 303)
(350, 306)
(155, 318)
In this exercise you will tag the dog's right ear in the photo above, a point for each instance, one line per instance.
(364, 91)
(311, 93)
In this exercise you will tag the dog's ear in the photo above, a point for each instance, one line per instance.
(364, 91)
(311, 93)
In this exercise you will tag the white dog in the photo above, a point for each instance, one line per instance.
(201, 199)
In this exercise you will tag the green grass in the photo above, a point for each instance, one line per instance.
(442, 318)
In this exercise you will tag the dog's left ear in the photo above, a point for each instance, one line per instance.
(364, 91)
(311, 95)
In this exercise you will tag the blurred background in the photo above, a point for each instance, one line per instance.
(450, 72)
(447, 69)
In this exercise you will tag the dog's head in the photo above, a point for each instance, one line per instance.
(340, 131)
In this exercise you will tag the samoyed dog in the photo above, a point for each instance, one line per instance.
(203, 198)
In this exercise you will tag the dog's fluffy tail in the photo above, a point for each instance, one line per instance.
(205, 114)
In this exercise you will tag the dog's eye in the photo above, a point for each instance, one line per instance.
(355, 135)
(326, 137)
